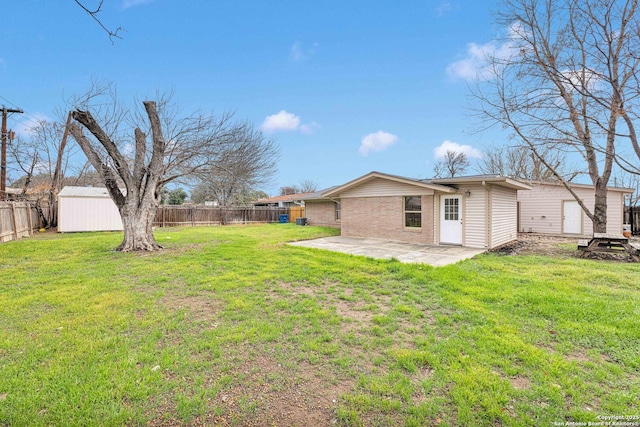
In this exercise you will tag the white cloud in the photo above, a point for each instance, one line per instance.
(377, 141)
(309, 129)
(282, 121)
(581, 79)
(126, 4)
(25, 127)
(298, 53)
(441, 150)
(443, 8)
(475, 65)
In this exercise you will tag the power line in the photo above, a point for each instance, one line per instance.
(25, 113)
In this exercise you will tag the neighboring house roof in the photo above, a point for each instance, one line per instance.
(373, 175)
(289, 198)
(318, 195)
(14, 191)
(576, 185)
(71, 191)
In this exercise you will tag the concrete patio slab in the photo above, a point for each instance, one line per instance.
(384, 249)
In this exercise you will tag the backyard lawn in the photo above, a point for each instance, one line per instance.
(231, 326)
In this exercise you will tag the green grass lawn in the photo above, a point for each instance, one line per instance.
(230, 326)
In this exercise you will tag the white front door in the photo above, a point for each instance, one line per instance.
(451, 219)
(572, 217)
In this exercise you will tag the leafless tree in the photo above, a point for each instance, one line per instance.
(453, 164)
(43, 160)
(308, 186)
(244, 166)
(627, 180)
(520, 162)
(177, 148)
(305, 186)
(94, 13)
(566, 80)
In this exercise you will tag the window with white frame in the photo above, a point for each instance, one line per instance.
(338, 210)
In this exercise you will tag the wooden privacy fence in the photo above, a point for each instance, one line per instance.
(171, 216)
(16, 220)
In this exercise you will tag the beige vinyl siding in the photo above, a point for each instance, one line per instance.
(87, 214)
(383, 187)
(615, 212)
(504, 226)
(541, 209)
(474, 221)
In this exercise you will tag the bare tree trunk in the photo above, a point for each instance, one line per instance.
(138, 230)
(57, 176)
(600, 208)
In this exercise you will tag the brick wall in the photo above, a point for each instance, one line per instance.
(383, 218)
(321, 213)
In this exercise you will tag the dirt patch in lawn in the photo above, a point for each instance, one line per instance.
(538, 244)
(267, 393)
(553, 246)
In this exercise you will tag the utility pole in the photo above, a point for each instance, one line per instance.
(3, 165)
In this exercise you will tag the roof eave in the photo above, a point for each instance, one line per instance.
(371, 175)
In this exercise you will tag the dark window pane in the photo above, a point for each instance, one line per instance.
(413, 219)
(413, 203)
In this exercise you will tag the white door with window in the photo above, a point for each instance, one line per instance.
(571, 217)
(451, 220)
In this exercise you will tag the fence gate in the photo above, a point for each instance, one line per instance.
(296, 212)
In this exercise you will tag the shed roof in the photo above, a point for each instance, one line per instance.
(71, 191)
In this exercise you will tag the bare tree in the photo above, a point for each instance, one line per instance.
(308, 186)
(244, 166)
(520, 162)
(287, 190)
(177, 148)
(566, 80)
(44, 159)
(453, 164)
(93, 13)
(627, 180)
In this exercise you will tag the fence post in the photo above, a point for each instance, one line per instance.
(29, 219)
(15, 223)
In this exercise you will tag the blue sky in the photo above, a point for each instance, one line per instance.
(345, 87)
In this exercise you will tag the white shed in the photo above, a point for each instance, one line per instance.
(549, 208)
(87, 209)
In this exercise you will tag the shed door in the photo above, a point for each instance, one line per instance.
(571, 217)
(451, 220)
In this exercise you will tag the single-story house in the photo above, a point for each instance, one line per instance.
(285, 201)
(87, 209)
(549, 208)
(477, 211)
